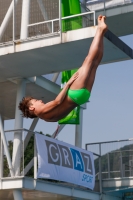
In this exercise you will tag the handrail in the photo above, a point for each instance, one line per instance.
(81, 14)
(62, 18)
(44, 22)
(110, 141)
(20, 129)
(127, 170)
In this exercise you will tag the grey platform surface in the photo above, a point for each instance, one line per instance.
(8, 92)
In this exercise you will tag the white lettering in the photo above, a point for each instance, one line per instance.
(66, 156)
(89, 170)
(54, 159)
(78, 161)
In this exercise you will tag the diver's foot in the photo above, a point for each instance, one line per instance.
(101, 23)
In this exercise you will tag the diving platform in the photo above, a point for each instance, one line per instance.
(39, 189)
(68, 54)
(33, 44)
(33, 53)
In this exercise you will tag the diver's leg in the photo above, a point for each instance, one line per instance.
(88, 69)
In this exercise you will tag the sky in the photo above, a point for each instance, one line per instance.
(109, 114)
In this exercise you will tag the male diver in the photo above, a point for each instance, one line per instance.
(76, 91)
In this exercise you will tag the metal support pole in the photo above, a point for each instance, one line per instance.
(17, 143)
(6, 147)
(104, 8)
(6, 19)
(55, 76)
(1, 153)
(123, 170)
(78, 130)
(108, 166)
(17, 195)
(29, 134)
(25, 19)
(60, 19)
(35, 159)
(131, 166)
(83, 10)
(18, 124)
(100, 172)
(94, 18)
(1, 157)
(121, 164)
(14, 23)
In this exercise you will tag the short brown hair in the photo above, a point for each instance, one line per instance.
(24, 107)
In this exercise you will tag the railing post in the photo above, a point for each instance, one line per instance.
(108, 166)
(52, 27)
(123, 170)
(94, 18)
(6, 148)
(100, 172)
(104, 8)
(1, 157)
(131, 166)
(25, 19)
(121, 164)
(60, 18)
(14, 23)
(78, 130)
(35, 159)
(16, 157)
(83, 21)
(1, 153)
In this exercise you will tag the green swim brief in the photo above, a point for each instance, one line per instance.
(79, 96)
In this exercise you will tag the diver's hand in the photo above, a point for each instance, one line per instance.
(73, 78)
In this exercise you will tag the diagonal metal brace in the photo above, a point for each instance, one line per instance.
(119, 43)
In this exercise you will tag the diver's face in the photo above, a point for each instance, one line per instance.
(35, 104)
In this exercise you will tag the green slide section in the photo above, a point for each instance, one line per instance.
(71, 7)
(74, 116)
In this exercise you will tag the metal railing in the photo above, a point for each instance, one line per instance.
(21, 21)
(115, 157)
(38, 19)
(58, 29)
(21, 162)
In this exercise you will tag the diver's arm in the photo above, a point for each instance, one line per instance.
(58, 100)
(63, 92)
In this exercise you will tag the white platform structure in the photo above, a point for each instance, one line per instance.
(32, 44)
(115, 162)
